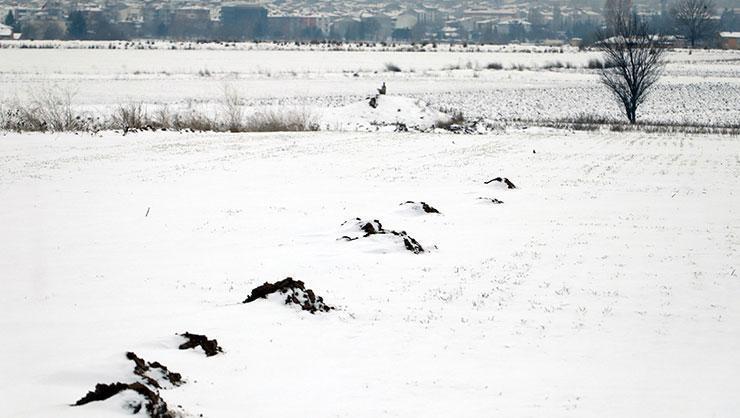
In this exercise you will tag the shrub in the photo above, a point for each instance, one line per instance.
(283, 120)
(130, 116)
(46, 110)
(232, 110)
(389, 66)
(494, 66)
(597, 64)
(194, 121)
(552, 65)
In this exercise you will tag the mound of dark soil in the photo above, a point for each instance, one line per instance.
(144, 369)
(156, 407)
(210, 347)
(374, 227)
(427, 208)
(294, 291)
(502, 180)
(148, 388)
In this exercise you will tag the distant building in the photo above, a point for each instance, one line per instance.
(729, 40)
(243, 21)
(347, 28)
(190, 22)
(298, 27)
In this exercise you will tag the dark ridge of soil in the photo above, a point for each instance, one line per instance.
(156, 407)
(492, 200)
(142, 368)
(295, 292)
(424, 205)
(374, 227)
(410, 243)
(503, 180)
(211, 347)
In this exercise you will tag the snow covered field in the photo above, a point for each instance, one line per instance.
(605, 285)
(701, 87)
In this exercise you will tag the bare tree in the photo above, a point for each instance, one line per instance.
(633, 62)
(694, 17)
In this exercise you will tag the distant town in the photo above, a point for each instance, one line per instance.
(551, 23)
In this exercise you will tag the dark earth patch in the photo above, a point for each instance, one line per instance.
(427, 208)
(143, 369)
(503, 180)
(148, 388)
(374, 227)
(294, 291)
(210, 347)
(155, 406)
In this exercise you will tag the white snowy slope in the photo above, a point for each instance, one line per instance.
(605, 285)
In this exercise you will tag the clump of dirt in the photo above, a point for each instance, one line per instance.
(427, 208)
(156, 407)
(148, 388)
(294, 291)
(210, 347)
(492, 200)
(143, 369)
(502, 180)
(374, 227)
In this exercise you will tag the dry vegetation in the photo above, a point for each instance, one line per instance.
(52, 110)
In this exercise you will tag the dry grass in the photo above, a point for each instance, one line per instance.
(45, 110)
(232, 110)
(282, 120)
(586, 122)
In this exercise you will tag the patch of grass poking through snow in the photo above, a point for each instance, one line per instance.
(586, 122)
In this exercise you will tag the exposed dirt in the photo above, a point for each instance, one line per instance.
(156, 407)
(374, 227)
(295, 292)
(427, 208)
(210, 347)
(492, 200)
(503, 180)
(148, 388)
(143, 369)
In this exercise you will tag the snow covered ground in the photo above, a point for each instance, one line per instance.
(701, 87)
(605, 285)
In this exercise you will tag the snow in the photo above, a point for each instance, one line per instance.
(698, 87)
(605, 285)
(389, 112)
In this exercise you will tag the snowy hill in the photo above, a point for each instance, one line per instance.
(388, 113)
